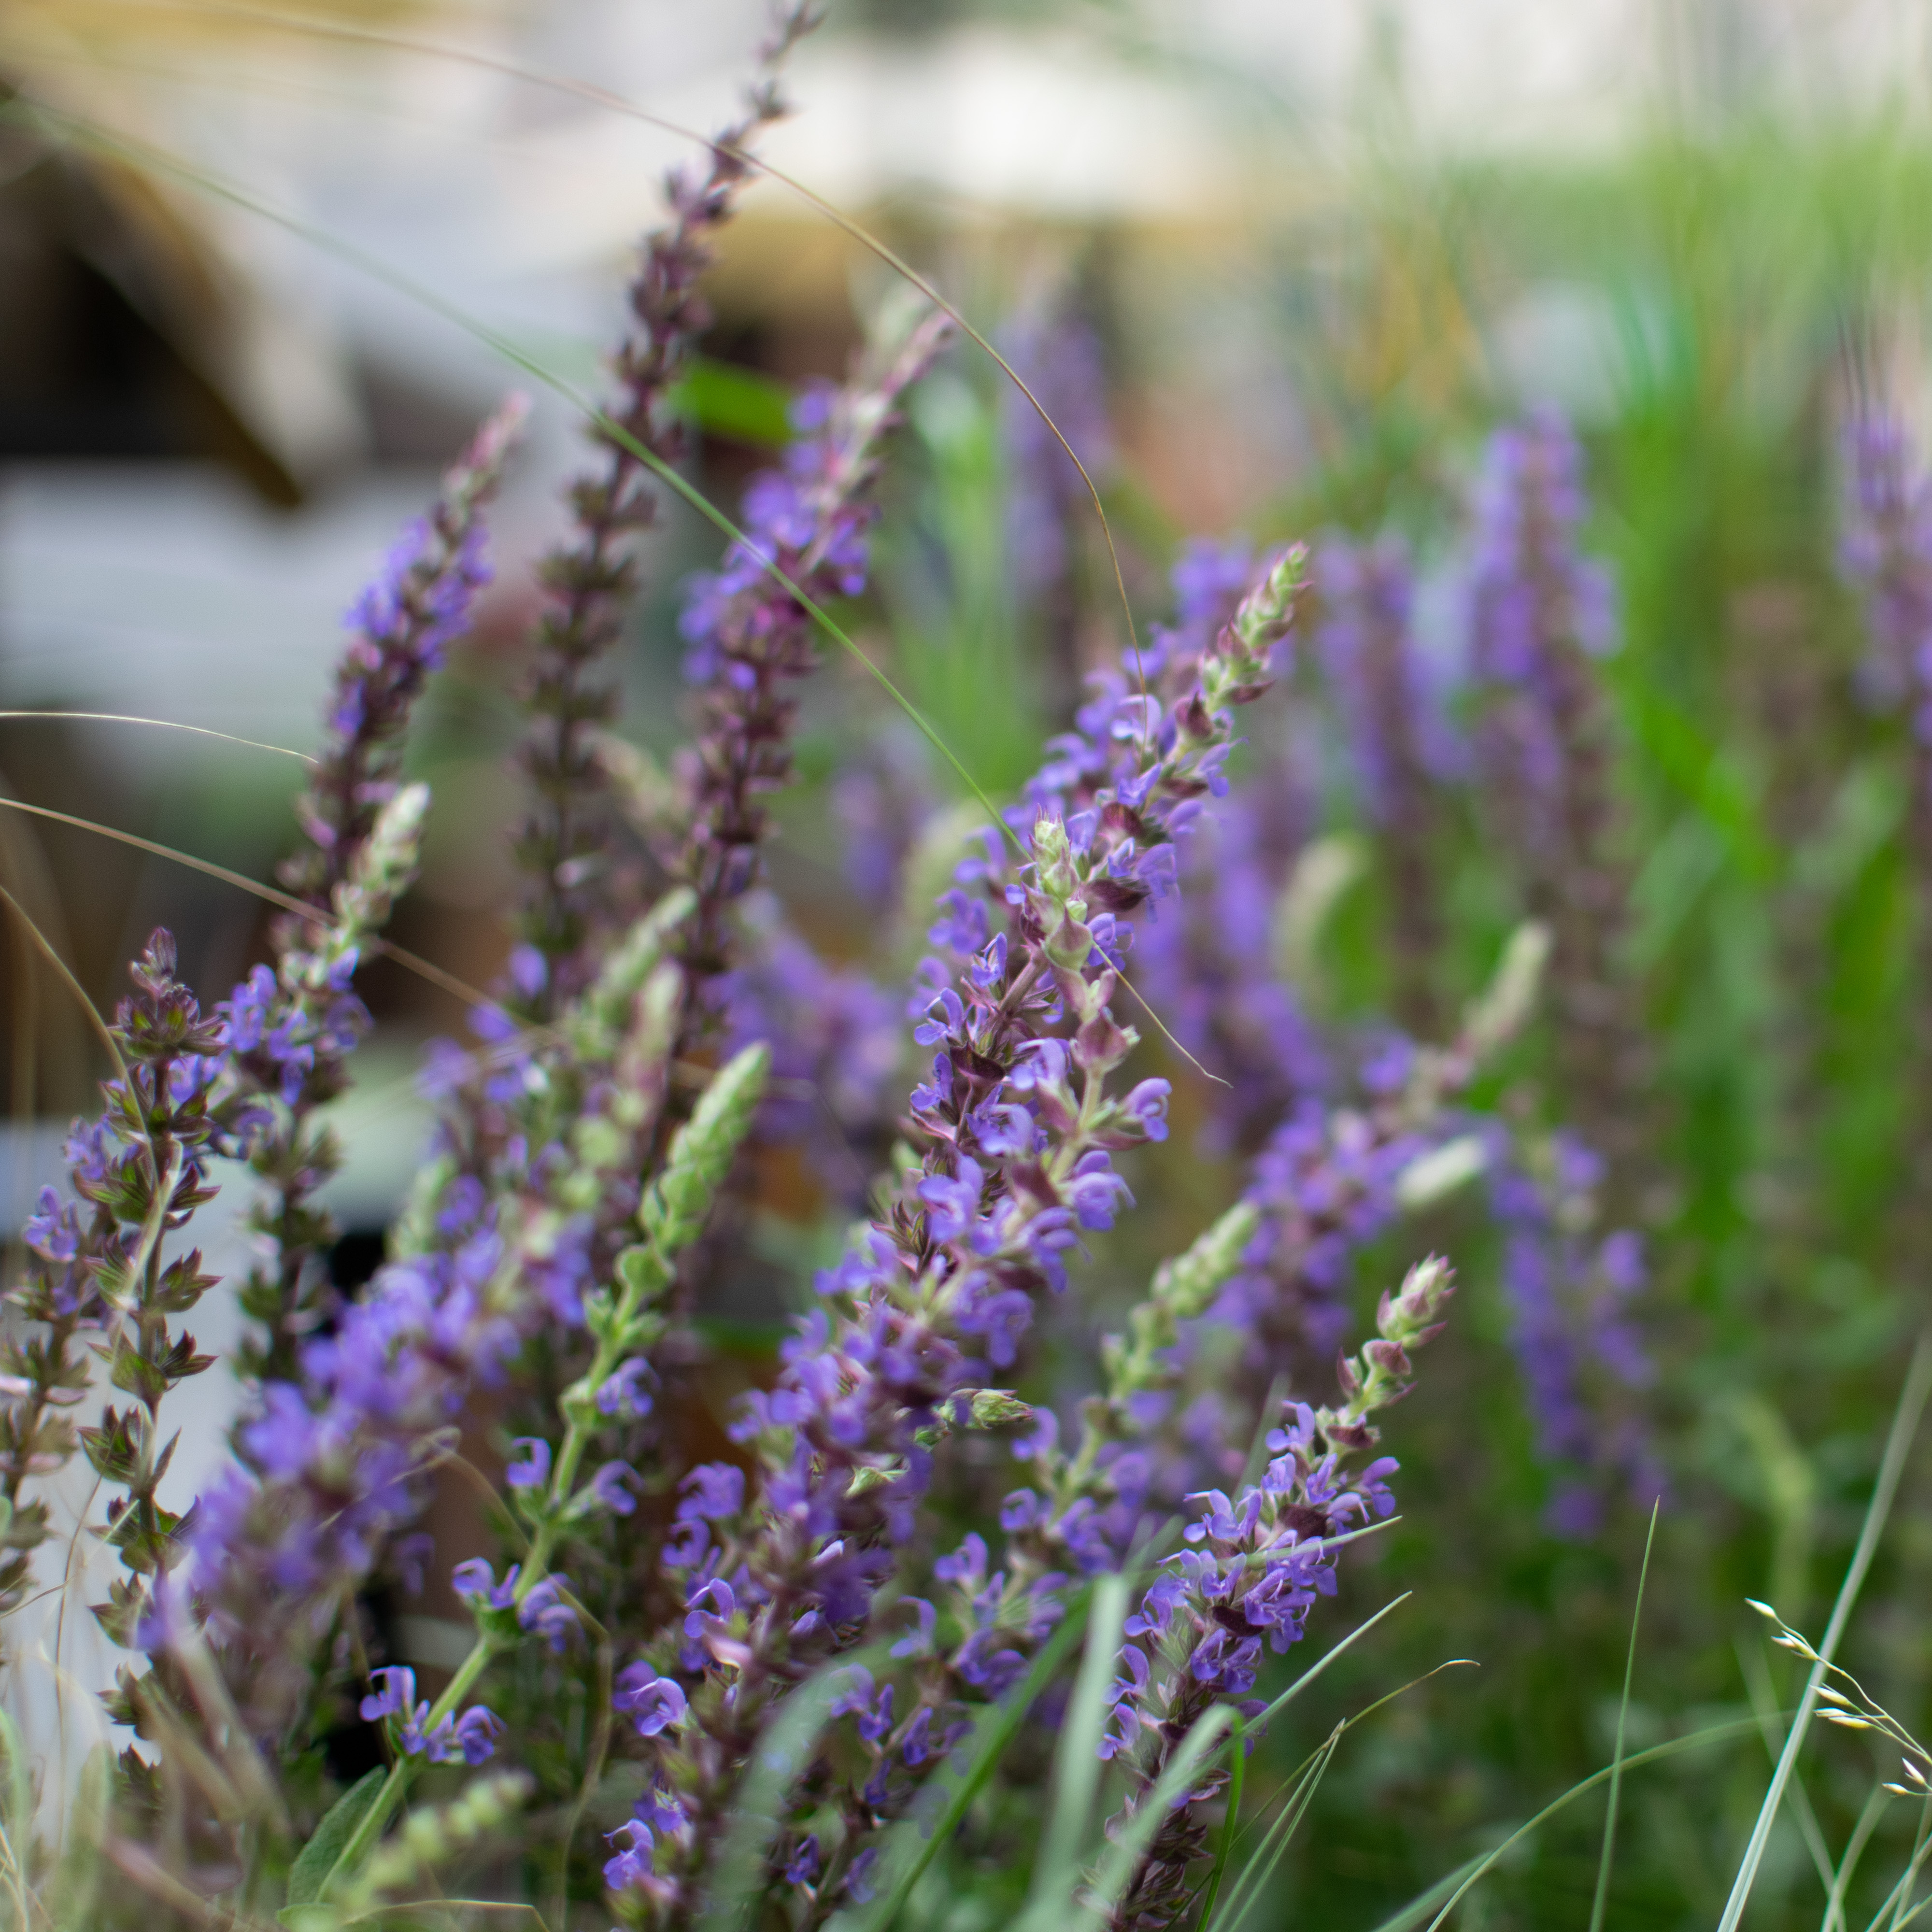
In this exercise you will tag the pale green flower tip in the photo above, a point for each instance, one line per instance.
(638, 956)
(1049, 841)
(739, 1088)
(1235, 1228)
(1506, 1004)
(1424, 1289)
(397, 830)
(993, 1408)
(1434, 1176)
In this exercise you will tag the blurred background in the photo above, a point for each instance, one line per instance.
(1277, 268)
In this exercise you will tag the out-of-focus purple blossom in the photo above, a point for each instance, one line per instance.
(1058, 355)
(293, 1027)
(1326, 1184)
(860, 1884)
(544, 1611)
(611, 1488)
(1392, 698)
(750, 640)
(652, 1702)
(1541, 617)
(630, 1866)
(401, 627)
(802, 1867)
(1402, 748)
(836, 1039)
(1571, 1293)
(1886, 551)
(530, 1468)
(882, 800)
(1208, 969)
(1208, 966)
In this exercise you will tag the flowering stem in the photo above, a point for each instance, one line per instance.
(672, 1217)
(561, 841)
(1018, 1129)
(709, 511)
(292, 1063)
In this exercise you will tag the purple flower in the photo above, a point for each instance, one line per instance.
(394, 1695)
(1582, 1359)
(860, 1882)
(1058, 357)
(472, 1736)
(1886, 551)
(611, 1487)
(531, 1471)
(544, 1611)
(918, 1641)
(632, 1865)
(625, 1397)
(712, 1491)
(653, 1703)
(476, 1583)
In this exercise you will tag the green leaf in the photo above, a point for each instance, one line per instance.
(309, 1917)
(1123, 1858)
(778, 1760)
(1076, 1761)
(1260, 1867)
(316, 1859)
(18, 1789)
(77, 1881)
(912, 1844)
(739, 403)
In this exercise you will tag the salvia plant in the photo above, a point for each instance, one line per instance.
(981, 1595)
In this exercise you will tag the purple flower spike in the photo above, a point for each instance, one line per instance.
(1581, 1355)
(1017, 1132)
(544, 1611)
(1886, 551)
(1391, 697)
(1541, 614)
(292, 1029)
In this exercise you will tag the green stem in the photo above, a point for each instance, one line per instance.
(1600, 1903)
(1230, 1823)
(535, 1565)
(362, 1840)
